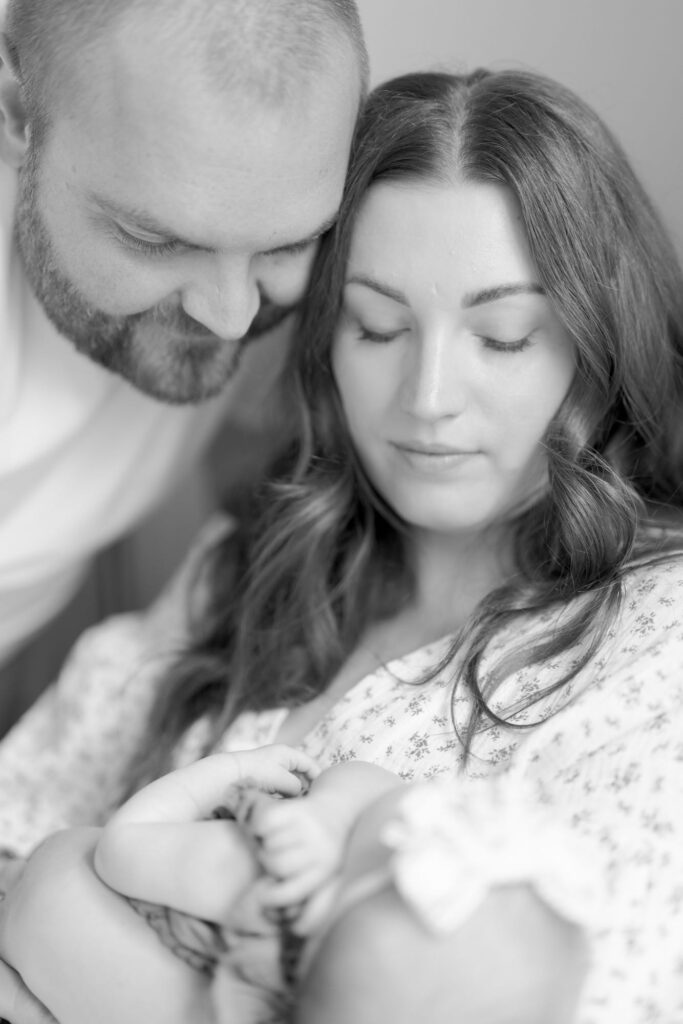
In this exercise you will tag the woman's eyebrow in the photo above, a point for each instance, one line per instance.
(478, 298)
(378, 286)
(501, 291)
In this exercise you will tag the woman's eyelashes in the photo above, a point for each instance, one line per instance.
(498, 345)
(383, 337)
(380, 337)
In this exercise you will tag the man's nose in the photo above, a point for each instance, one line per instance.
(435, 377)
(225, 298)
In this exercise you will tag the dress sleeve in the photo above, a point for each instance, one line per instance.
(65, 762)
(587, 812)
(451, 845)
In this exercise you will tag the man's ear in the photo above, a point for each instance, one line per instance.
(14, 126)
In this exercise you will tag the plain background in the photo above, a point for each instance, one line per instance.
(622, 56)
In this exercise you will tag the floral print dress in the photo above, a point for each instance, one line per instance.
(599, 784)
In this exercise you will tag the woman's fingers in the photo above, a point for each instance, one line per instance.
(17, 1005)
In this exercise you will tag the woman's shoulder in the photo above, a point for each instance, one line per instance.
(652, 598)
(633, 681)
(633, 686)
(644, 645)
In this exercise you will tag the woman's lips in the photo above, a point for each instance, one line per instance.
(433, 457)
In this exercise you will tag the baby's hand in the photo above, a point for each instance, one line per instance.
(299, 850)
(275, 769)
(193, 792)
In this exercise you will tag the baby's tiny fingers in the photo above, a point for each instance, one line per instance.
(293, 889)
(292, 859)
(295, 760)
(268, 815)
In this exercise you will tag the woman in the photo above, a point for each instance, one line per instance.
(471, 566)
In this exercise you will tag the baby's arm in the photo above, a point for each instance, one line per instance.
(159, 847)
(302, 842)
(191, 793)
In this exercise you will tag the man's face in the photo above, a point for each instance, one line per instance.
(163, 225)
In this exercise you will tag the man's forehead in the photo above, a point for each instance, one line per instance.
(190, 185)
(171, 156)
(168, 106)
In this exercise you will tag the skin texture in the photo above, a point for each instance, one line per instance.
(153, 240)
(422, 376)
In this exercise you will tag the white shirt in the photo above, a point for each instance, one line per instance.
(83, 455)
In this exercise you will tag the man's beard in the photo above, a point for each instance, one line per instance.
(161, 351)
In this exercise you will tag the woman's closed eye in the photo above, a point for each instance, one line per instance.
(499, 345)
(379, 336)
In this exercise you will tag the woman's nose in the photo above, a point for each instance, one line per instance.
(434, 383)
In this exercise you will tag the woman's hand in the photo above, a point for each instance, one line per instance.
(17, 1005)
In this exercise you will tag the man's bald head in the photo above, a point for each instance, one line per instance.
(177, 161)
(260, 49)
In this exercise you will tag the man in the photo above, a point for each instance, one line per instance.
(167, 166)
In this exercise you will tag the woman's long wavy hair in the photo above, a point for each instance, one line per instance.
(319, 556)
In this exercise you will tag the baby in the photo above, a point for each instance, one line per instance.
(230, 873)
(383, 897)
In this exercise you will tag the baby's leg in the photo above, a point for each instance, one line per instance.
(377, 963)
(512, 961)
(85, 952)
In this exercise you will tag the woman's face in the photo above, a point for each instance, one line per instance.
(448, 357)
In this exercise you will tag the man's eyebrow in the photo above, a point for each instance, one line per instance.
(137, 218)
(146, 222)
(378, 286)
(501, 291)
